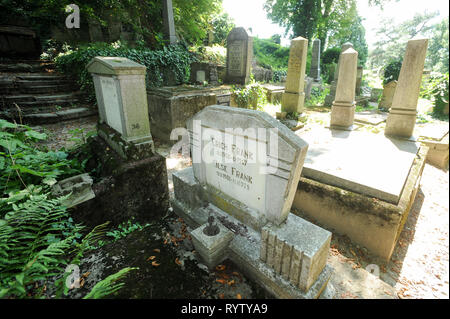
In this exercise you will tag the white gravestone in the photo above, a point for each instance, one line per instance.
(249, 156)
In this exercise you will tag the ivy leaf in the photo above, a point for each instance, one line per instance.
(36, 135)
(49, 181)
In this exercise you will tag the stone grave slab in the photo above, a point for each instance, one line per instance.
(361, 162)
(371, 117)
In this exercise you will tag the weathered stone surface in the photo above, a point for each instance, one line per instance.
(79, 187)
(171, 107)
(168, 22)
(121, 97)
(125, 189)
(402, 116)
(261, 175)
(294, 96)
(359, 75)
(388, 95)
(239, 56)
(341, 158)
(212, 249)
(296, 249)
(343, 109)
(314, 71)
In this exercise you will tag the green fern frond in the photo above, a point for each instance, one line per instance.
(109, 285)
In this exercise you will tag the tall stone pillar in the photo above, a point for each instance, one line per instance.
(239, 56)
(169, 24)
(314, 71)
(402, 116)
(330, 97)
(343, 108)
(293, 98)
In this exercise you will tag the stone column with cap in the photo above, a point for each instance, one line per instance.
(402, 116)
(330, 97)
(343, 108)
(314, 71)
(293, 98)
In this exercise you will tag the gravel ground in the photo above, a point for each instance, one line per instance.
(419, 267)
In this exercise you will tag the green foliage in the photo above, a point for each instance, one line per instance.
(270, 54)
(438, 91)
(109, 285)
(221, 26)
(317, 96)
(392, 71)
(252, 96)
(394, 37)
(171, 59)
(278, 75)
(438, 48)
(211, 54)
(331, 55)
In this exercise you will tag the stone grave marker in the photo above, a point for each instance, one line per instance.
(402, 116)
(122, 103)
(294, 96)
(330, 97)
(245, 171)
(388, 95)
(343, 109)
(314, 71)
(239, 56)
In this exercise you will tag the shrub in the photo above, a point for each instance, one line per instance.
(252, 96)
(438, 91)
(392, 71)
(174, 59)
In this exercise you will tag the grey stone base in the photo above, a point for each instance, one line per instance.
(244, 249)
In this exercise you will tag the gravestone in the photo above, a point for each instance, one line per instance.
(122, 104)
(330, 97)
(239, 56)
(168, 22)
(388, 95)
(359, 75)
(294, 96)
(402, 116)
(245, 171)
(314, 71)
(343, 109)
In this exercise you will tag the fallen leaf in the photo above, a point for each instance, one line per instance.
(222, 281)
(238, 296)
(154, 263)
(236, 273)
(231, 282)
(86, 274)
(177, 261)
(220, 267)
(151, 258)
(221, 296)
(156, 250)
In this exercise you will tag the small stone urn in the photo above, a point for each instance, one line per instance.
(211, 240)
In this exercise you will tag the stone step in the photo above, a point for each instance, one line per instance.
(47, 89)
(42, 76)
(39, 82)
(49, 115)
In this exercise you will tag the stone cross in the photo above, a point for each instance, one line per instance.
(402, 116)
(314, 71)
(169, 24)
(343, 109)
(239, 56)
(294, 96)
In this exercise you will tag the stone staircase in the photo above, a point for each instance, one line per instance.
(33, 92)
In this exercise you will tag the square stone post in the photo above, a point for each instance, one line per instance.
(402, 116)
(169, 24)
(330, 97)
(314, 71)
(294, 96)
(343, 108)
(122, 103)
